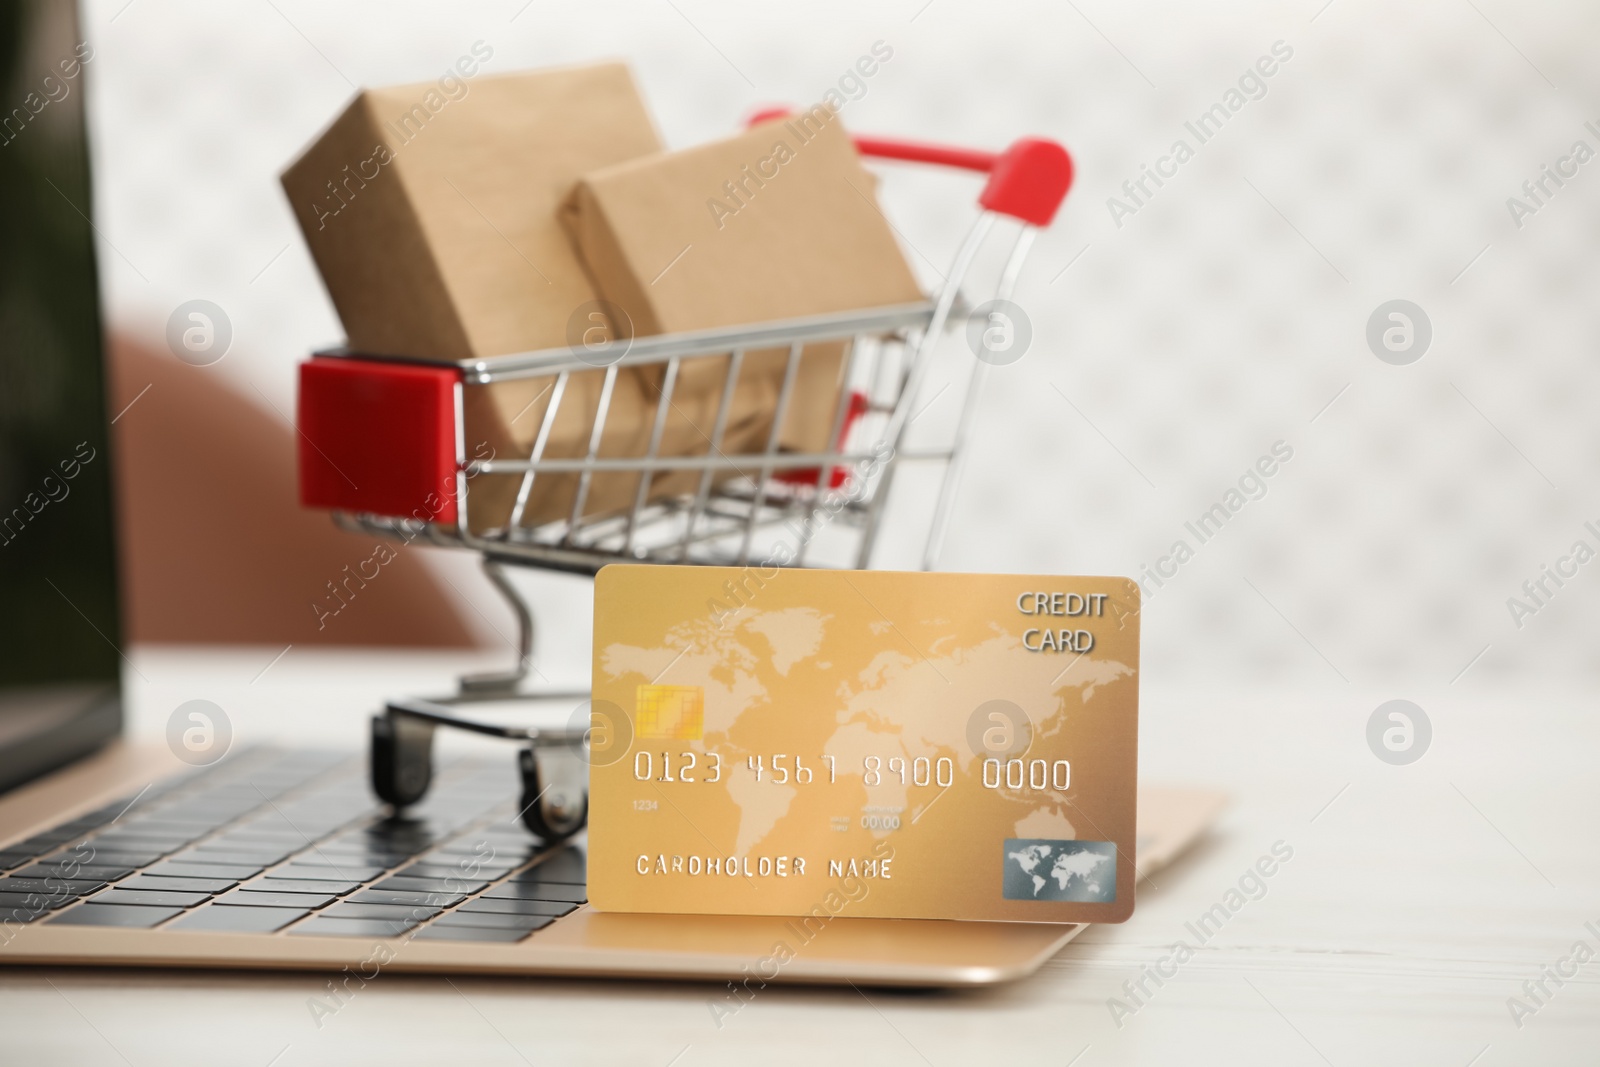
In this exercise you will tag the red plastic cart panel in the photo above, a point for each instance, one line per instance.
(378, 437)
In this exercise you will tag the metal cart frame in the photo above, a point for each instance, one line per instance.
(363, 413)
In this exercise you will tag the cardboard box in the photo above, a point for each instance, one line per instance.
(431, 212)
(433, 219)
(778, 222)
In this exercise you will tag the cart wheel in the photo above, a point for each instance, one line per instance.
(402, 758)
(555, 792)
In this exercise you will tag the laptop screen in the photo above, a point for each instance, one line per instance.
(59, 623)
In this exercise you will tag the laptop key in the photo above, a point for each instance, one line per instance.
(576, 894)
(26, 907)
(462, 871)
(321, 926)
(135, 838)
(553, 908)
(9, 860)
(343, 872)
(129, 915)
(162, 884)
(435, 932)
(259, 898)
(77, 872)
(273, 884)
(268, 854)
(401, 883)
(349, 861)
(504, 857)
(149, 897)
(132, 844)
(414, 913)
(111, 872)
(396, 896)
(40, 843)
(246, 840)
(58, 888)
(492, 921)
(169, 830)
(236, 872)
(226, 857)
(121, 858)
(236, 919)
(399, 840)
(566, 866)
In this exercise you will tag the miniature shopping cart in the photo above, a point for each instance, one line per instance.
(382, 443)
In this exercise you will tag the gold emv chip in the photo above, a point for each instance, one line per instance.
(670, 712)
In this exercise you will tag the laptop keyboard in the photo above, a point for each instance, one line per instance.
(290, 842)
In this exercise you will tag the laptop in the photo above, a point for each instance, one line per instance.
(119, 854)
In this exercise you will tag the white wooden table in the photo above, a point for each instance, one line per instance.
(1417, 902)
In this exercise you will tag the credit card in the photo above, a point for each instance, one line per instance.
(770, 741)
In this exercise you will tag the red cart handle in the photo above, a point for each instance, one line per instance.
(1027, 181)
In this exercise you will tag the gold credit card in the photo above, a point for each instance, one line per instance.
(771, 741)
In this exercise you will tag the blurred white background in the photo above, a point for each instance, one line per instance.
(1169, 352)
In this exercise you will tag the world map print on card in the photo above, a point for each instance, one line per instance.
(1081, 871)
